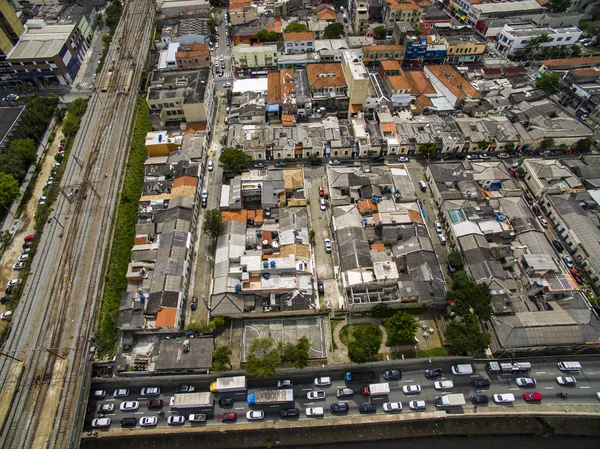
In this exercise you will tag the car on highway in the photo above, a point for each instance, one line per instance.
(284, 383)
(321, 191)
(255, 415)
(316, 395)
(129, 422)
(327, 245)
(226, 402)
(228, 417)
(480, 399)
(176, 420)
(392, 407)
(411, 389)
(393, 374)
(598, 395)
(566, 380)
(185, 389)
(106, 408)
(101, 423)
(526, 382)
(417, 405)
(334, 162)
(127, 406)
(150, 391)
(443, 385)
(155, 404)
(344, 392)
(532, 397)
(5, 315)
(433, 373)
(289, 413)
(18, 266)
(367, 408)
(315, 411)
(504, 398)
(121, 393)
(148, 421)
(99, 394)
(481, 383)
(324, 381)
(339, 407)
(402, 159)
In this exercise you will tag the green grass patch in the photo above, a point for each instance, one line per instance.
(347, 331)
(120, 255)
(433, 352)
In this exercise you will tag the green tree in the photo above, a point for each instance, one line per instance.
(401, 328)
(549, 82)
(25, 149)
(302, 353)
(221, 359)
(576, 51)
(546, 144)
(428, 149)
(483, 145)
(583, 145)
(418, 30)
(364, 344)
(380, 32)
(466, 338)
(267, 36)
(12, 165)
(455, 259)
(468, 297)
(559, 5)
(233, 160)
(333, 31)
(311, 235)
(113, 15)
(509, 147)
(216, 322)
(520, 171)
(381, 310)
(37, 115)
(213, 223)
(295, 27)
(9, 189)
(595, 13)
(262, 359)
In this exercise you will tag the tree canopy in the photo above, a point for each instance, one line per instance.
(468, 297)
(25, 149)
(9, 189)
(583, 145)
(221, 359)
(267, 36)
(296, 354)
(12, 164)
(364, 343)
(295, 27)
(465, 337)
(333, 31)
(380, 32)
(234, 161)
(428, 149)
(113, 15)
(559, 5)
(549, 82)
(401, 328)
(262, 359)
(213, 223)
(455, 259)
(546, 144)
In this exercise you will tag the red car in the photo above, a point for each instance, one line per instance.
(576, 275)
(321, 191)
(536, 211)
(532, 397)
(229, 416)
(29, 238)
(155, 404)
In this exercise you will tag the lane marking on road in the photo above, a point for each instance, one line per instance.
(138, 413)
(540, 372)
(514, 389)
(273, 406)
(307, 389)
(585, 387)
(242, 408)
(305, 404)
(406, 381)
(548, 388)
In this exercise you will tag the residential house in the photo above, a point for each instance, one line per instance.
(401, 11)
(374, 53)
(252, 59)
(328, 88)
(299, 42)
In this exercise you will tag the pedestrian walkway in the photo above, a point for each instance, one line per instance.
(338, 356)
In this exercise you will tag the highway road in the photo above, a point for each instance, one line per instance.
(583, 394)
(45, 377)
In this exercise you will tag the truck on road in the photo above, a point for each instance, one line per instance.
(449, 400)
(191, 400)
(271, 397)
(377, 389)
(362, 376)
(229, 384)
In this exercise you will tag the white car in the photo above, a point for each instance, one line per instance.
(315, 395)
(327, 245)
(176, 420)
(568, 261)
(438, 227)
(443, 385)
(5, 315)
(503, 155)
(23, 257)
(13, 282)
(150, 391)
(566, 380)
(314, 411)
(129, 405)
(411, 389)
(18, 266)
(334, 162)
(504, 398)
(526, 382)
(100, 423)
(417, 405)
(148, 421)
(323, 381)
(121, 393)
(211, 165)
(253, 415)
(402, 159)
(598, 395)
(204, 193)
(392, 407)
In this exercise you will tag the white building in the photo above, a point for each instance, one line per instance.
(515, 37)
(299, 42)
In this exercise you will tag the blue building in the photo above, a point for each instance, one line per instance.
(419, 53)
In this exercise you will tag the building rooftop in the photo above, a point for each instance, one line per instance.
(453, 81)
(522, 6)
(298, 36)
(590, 62)
(402, 4)
(197, 25)
(41, 41)
(191, 85)
(325, 75)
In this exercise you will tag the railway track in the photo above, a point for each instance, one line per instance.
(52, 327)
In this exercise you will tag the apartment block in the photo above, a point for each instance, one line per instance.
(513, 38)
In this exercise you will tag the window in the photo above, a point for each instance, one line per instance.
(568, 38)
(558, 39)
(259, 156)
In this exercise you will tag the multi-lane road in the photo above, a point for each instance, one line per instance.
(583, 394)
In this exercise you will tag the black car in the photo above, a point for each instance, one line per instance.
(204, 203)
(481, 383)
(259, 165)
(129, 422)
(528, 199)
(557, 245)
(194, 304)
(321, 288)
(393, 374)
(339, 407)
(226, 402)
(289, 413)
(280, 164)
(367, 408)
(184, 388)
(433, 373)
(480, 399)
(9, 289)
(155, 404)
(4, 299)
